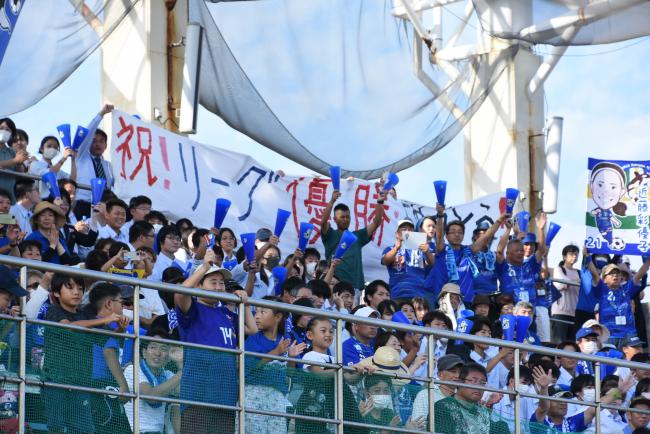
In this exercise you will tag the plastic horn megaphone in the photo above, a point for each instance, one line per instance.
(50, 179)
(220, 210)
(335, 175)
(400, 317)
(64, 135)
(280, 275)
(347, 240)
(391, 181)
(553, 229)
(441, 191)
(508, 326)
(248, 242)
(281, 221)
(305, 235)
(79, 137)
(522, 221)
(521, 327)
(97, 186)
(511, 199)
(463, 325)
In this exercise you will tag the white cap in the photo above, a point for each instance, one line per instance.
(214, 269)
(366, 312)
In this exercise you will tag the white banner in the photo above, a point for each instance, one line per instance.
(184, 178)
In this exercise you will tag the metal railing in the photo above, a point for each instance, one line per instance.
(35, 178)
(22, 380)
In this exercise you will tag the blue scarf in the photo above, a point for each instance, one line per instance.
(486, 259)
(452, 268)
(153, 379)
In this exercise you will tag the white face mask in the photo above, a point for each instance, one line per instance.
(590, 348)
(5, 136)
(50, 153)
(382, 401)
(524, 388)
(444, 341)
(310, 267)
(157, 227)
(646, 395)
(589, 395)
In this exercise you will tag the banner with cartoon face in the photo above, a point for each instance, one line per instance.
(618, 213)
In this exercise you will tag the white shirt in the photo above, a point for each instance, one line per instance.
(151, 304)
(314, 356)
(477, 358)
(504, 410)
(85, 167)
(22, 217)
(162, 263)
(109, 232)
(152, 419)
(565, 377)
(498, 376)
(40, 168)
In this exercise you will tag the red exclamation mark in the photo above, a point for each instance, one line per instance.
(163, 149)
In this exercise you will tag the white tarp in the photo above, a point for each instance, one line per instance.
(184, 178)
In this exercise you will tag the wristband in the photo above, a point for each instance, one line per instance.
(380, 202)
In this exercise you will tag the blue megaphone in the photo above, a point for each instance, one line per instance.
(508, 326)
(553, 229)
(400, 317)
(466, 313)
(79, 137)
(463, 325)
(229, 265)
(280, 275)
(248, 242)
(335, 175)
(522, 220)
(521, 327)
(50, 179)
(220, 210)
(97, 186)
(511, 199)
(391, 181)
(305, 235)
(64, 135)
(441, 191)
(347, 240)
(281, 221)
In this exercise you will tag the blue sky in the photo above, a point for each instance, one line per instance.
(602, 93)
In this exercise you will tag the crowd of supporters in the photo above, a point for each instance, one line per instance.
(590, 306)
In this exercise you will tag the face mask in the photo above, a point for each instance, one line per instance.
(157, 227)
(589, 395)
(310, 267)
(5, 136)
(523, 388)
(382, 401)
(50, 153)
(444, 341)
(646, 395)
(590, 348)
(271, 263)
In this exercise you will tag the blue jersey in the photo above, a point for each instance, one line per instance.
(586, 298)
(574, 423)
(440, 274)
(485, 282)
(604, 224)
(354, 351)
(208, 375)
(273, 373)
(519, 280)
(406, 274)
(615, 308)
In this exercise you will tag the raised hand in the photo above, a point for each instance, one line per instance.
(106, 109)
(336, 195)
(297, 348)
(282, 347)
(366, 406)
(540, 220)
(210, 257)
(242, 295)
(542, 379)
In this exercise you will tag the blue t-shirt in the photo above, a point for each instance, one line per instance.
(123, 347)
(575, 423)
(586, 298)
(615, 308)
(485, 282)
(406, 274)
(354, 351)
(271, 374)
(208, 375)
(439, 273)
(519, 280)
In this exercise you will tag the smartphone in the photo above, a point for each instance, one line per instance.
(131, 256)
(7, 219)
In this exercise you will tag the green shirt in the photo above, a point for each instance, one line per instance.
(452, 417)
(351, 267)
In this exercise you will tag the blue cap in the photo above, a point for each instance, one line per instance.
(584, 332)
(8, 283)
(530, 238)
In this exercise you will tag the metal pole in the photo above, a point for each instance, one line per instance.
(338, 386)
(431, 342)
(598, 408)
(22, 355)
(136, 359)
(241, 369)
(517, 397)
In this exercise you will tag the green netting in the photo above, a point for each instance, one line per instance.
(209, 376)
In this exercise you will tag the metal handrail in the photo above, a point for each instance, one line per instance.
(35, 177)
(225, 297)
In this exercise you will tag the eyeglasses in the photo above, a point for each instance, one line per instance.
(151, 235)
(118, 300)
(33, 286)
(474, 381)
(143, 209)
